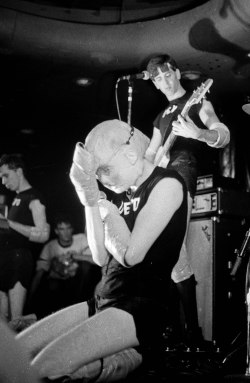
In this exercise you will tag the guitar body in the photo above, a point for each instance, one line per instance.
(163, 154)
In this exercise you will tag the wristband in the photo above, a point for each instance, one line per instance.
(223, 135)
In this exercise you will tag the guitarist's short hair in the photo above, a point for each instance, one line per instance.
(160, 61)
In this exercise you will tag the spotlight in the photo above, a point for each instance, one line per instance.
(84, 81)
(191, 74)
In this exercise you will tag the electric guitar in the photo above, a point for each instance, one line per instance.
(162, 154)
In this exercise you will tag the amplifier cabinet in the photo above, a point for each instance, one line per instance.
(211, 244)
(221, 202)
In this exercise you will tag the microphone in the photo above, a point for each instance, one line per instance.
(138, 76)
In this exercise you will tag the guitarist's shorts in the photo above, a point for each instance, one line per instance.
(187, 168)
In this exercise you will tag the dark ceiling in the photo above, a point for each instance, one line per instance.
(47, 46)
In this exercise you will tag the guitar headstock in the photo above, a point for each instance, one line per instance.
(200, 92)
(197, 95)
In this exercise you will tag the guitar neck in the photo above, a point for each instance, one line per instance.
(169, 142)
(185, 110)
(172, 137)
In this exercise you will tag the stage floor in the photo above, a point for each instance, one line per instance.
(191, 366)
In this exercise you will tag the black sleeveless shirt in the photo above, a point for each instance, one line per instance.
(21, 213)
(149, 278)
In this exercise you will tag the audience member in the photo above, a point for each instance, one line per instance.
(136, 239)
(184, 136)
(65, 271)
(25, 225)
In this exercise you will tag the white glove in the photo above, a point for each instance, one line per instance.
(82, 175)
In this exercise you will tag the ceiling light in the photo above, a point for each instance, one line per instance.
(84, 81)
(246, 105)
(27, 131)
(191, 74)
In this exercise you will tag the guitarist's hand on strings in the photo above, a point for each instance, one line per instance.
(185, 127)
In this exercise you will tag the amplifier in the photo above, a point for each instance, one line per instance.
(212, 181)
(221, 202)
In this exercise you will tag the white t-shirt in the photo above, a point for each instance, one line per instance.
(62, 262)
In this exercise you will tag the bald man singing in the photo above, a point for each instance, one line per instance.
(135, 237)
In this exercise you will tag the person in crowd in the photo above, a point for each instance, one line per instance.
(65, 271)
(186, 131)
(25, 225)
(136, 239)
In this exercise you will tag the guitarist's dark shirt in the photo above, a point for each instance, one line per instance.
(187, 156)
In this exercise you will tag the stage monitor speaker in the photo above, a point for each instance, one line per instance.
(211, 243)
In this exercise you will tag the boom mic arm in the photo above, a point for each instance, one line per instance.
(138, 76)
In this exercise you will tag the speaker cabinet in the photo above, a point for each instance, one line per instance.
(211, 243)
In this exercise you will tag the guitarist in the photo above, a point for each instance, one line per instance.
(187, 135)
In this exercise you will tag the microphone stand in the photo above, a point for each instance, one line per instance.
(248, 331)
(240, 254)
(130, 97)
